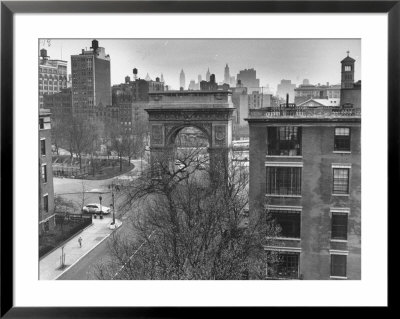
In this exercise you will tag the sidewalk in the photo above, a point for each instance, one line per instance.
(91, 237)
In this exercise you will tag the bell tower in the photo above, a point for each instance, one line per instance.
(348, 72)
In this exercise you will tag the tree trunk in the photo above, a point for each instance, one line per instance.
(120, 162)
(92, 165)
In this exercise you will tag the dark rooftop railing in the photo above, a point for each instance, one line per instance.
(305, 112)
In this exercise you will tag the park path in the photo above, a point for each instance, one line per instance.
(93, 235)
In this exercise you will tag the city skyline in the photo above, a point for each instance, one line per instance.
(312, 59)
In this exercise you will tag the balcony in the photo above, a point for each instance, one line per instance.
(306, 112)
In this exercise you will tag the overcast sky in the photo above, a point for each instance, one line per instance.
(274, 59)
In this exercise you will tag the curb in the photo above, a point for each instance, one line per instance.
(65, 241)
(76, 261)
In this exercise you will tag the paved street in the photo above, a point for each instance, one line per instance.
(83, 192)
(49, 266)
(85, 268)
(71, 189)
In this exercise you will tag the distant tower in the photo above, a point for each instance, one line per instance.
(347, 72)
(208, 75)
(162, 78)
(227, 76)
(212, 78)
(135, 73)
(182, 79)
(148, 78)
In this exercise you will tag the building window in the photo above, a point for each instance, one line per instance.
(284, 180)
(44, 173)
(342, 139)
(339, 226)
(288, 221)
(41, 124)
(46, 203)
(43, 147)
(347, 68)
(341, 180)
(283, 265)
(284, 141)
(338, 265)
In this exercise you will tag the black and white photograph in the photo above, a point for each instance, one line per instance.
(199, 159)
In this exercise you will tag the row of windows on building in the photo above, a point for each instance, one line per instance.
(290, 224)
(50, 81)
(286, 181)
(286, 140)
(285, 265)
(52, 71)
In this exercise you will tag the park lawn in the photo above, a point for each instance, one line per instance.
(109, 171)
(55, 237)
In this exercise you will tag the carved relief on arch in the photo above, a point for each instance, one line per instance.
(220, 135)
(156, 134)
(171, 130)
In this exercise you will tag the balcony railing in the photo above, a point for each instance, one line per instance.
(306, 112)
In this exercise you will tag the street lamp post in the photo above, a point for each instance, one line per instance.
(101, 210)
(112, 194)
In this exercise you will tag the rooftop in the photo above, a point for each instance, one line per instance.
(344, 112)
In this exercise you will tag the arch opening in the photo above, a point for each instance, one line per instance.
(190, 149)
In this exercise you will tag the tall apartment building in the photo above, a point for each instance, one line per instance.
(248, 78)
(91, 80)
(46, 188)
(129, 101)
(59, 104)
(286, 87)
(257, 100)
(305, 173)
(52, 76)
(209, 85)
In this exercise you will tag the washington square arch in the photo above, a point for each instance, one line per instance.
(208, 111)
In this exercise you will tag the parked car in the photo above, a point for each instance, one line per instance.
(95, 209)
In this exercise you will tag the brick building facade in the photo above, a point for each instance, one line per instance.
(305, 173)
(46, 188)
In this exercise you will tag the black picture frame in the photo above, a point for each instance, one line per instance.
(9, 8)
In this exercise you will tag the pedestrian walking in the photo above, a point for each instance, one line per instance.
(80, 241)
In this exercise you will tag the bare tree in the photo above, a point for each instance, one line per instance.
(83, 132)
(189, 223)
(62, 207)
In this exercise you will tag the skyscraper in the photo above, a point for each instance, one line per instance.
(208, 75)
(227, 77)
(286, 87)
(182, 80)
(91, 80)
(249, 79)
